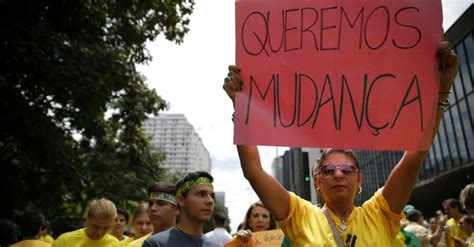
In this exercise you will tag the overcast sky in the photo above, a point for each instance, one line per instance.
(190, 77)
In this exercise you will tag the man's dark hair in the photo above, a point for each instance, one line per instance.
(9, 232)
(121, 211)
(47, 224)
(453, 203)
(163, 187)
(220, 219)
(190, 176)
(30, 223)
(414, 215)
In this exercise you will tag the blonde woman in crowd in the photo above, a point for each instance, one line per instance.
(141, 224)
(467, 198)
(257, 219)
(100, 218)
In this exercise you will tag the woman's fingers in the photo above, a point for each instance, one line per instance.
(234, 68)
(233, 81)
(245, 235)
(452, 60)
(443, 52)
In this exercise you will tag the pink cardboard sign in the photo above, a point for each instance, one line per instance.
(346, 74)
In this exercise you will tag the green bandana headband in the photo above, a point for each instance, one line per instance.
(163, 197)
(191, 183)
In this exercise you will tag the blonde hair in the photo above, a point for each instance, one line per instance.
(102, 209)
(467, 196)
(139, 210)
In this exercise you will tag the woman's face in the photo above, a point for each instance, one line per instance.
(338, 178)
(433, 224)
(259, 219)
(142, 225)
(119, 225)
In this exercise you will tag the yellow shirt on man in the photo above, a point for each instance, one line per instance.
(373, 224)
(47, 238)
(31, 243)
(79, 238)
(124, 242)
(454, 230)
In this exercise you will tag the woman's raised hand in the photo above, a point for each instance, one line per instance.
(233, 82)
(448, 65)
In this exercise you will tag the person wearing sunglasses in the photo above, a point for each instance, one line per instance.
(337, 180)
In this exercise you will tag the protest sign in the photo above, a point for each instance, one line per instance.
(272, 238)
(346, 74)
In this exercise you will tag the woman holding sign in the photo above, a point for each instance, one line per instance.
(257, 219)
(337, 180)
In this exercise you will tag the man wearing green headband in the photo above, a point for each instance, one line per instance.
(162, 209)
(195, 199)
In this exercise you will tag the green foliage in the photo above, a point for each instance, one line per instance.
(221, 209)
(72, 102)
(172, 176)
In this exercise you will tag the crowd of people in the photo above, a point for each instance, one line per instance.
(175, 214)
(451, 226)
(192, 199)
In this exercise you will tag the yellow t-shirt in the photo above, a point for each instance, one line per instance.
(124, 242)
(31, 243)
(373, 224)
(399, 240)
(78, 238)
(47, 239)
(454, 230)
(138, 242)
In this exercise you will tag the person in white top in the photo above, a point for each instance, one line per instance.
(219, 234)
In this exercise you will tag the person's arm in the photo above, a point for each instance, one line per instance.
(272, 194)
(436, 237)
(402, 179)
(458, 242)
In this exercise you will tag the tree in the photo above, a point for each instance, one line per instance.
(72, 102)
(218, 209)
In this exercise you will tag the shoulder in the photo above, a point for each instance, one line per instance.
(379, 202)
(47, 238)
(210, 234)
(159, 238)
(109, 239)
(296, 201)
(31, 242)
(72, 234)
(208, 243)
(302, 214)
(378, 205)
(451, 222)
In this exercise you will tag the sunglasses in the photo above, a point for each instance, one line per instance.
(329, 170)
